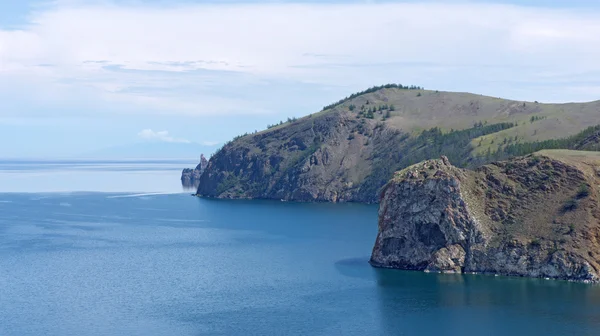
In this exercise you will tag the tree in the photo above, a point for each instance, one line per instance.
(584, 191)
(570, 205)
(373, 89)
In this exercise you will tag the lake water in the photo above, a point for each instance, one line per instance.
(128, 261)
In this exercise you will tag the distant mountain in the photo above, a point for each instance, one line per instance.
(350, 149)
(151, 150)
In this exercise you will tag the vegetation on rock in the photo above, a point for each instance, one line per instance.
(370, 90)
(536, 216)
(350, 150)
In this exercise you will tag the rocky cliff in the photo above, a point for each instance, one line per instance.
(190, 178)
(589, 143)
(348, 151)
(326, 158)
(534, 216)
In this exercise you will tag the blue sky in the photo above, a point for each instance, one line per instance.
(78, 76)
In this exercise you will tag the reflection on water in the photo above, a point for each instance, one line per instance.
(191, 186)
(356, 268)
(473, 303)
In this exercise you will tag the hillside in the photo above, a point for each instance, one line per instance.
(350, 149)
(590, 142)
(537, 216)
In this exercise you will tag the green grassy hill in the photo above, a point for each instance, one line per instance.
(417, 110)
(347, 151)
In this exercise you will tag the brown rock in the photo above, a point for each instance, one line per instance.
(442, 222)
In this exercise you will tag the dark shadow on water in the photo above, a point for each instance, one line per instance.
(498, 305)
(356, 268)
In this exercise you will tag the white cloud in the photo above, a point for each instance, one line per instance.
(163, 136)
(194, 59)
(210, 143)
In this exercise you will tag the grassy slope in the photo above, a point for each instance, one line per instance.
(586, 161)
(530, 193)
(416, 110)
(358, 155)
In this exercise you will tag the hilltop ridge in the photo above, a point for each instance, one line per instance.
(349, 150)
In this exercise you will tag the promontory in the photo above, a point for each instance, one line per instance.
(350, 149)
(534, 216)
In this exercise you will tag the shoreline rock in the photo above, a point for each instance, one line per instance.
(190, 178)
(535, 216)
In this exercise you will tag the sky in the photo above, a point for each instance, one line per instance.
(79, 76)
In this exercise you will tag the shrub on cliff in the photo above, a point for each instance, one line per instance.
(583, 192)
(570, 205)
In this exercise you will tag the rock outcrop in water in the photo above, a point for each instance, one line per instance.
(190, 178)
(533, 216)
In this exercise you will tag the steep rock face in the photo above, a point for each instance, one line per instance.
(323, 158)
(436, 229)
(535, 216)
(190, 178)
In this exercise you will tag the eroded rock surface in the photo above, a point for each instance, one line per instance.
(190, 178)
(535, 216)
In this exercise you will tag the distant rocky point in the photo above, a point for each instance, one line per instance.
(533, 216)
(190, 178)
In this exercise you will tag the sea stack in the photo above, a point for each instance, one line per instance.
(190, 178)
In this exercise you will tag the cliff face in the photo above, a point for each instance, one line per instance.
(190, 178)
(324, 158)
(535, 216)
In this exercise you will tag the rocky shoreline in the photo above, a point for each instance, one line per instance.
(534, 216)
(190, 178)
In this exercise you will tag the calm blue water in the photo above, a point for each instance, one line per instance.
(92, 175)
(114, 263)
